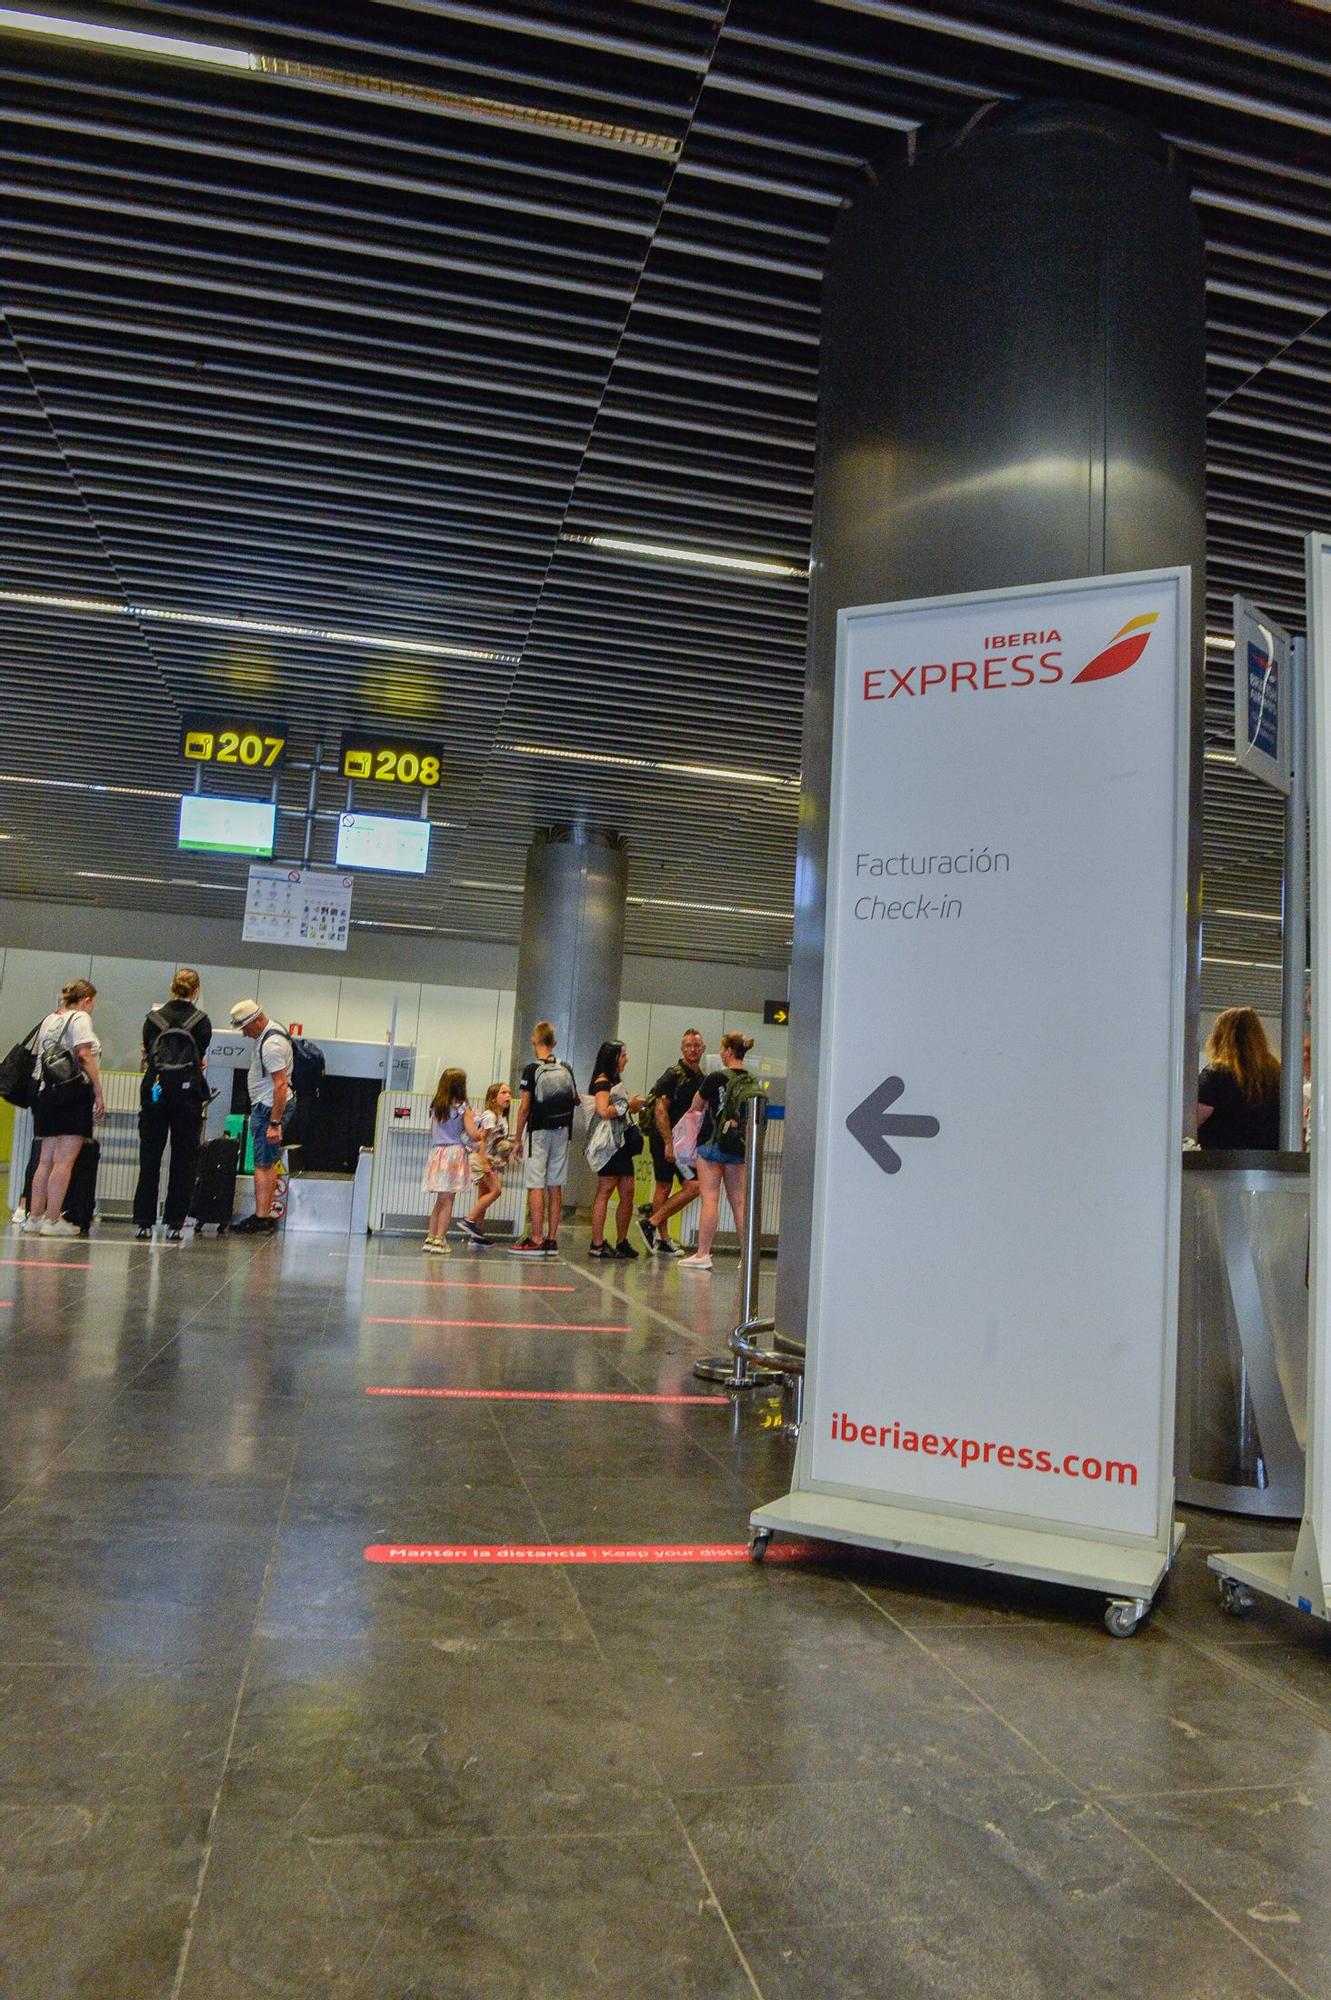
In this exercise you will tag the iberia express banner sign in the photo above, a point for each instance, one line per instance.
(994, 1278)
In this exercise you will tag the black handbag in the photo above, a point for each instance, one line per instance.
(63, 1076)
(18, 1072)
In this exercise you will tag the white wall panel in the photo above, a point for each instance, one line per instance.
(457, 1030)
(506, 1002)
(220, 986)
(126, 989)
(667, 1028)
(365, 1008)
(634, 1029)
(307, 997)
(31, 987)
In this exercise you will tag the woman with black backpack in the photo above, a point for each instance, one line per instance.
(69, 1097)
(172, 1099)
(720, 1098)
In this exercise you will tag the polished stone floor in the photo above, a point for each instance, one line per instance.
(239, 1761)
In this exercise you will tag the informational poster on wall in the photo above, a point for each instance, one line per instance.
(1261, 695)
(307, 907)
(994, 1281)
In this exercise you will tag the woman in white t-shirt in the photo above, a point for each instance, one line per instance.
(69, 1097)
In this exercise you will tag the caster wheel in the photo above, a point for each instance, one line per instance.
(1123, 1615)
(758, 1544)
(1235, 1598)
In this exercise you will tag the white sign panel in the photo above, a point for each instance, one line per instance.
(298, 906)
(994, 1282)
(1261, 681)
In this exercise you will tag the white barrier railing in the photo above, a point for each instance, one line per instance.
(398, 1200)
(118, 1134)
(401, 1143)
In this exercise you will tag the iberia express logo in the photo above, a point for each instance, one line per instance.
(1011, 660)
(1123, 651)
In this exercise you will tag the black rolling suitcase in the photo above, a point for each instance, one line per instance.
(215, 1184)
(81, 1195)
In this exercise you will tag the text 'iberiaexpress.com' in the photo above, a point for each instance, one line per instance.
(969, 1451)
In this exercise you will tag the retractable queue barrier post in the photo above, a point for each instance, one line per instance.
(734, 1372)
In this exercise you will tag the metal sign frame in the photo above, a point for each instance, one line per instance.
(1302, 1576)
(1126, 1566)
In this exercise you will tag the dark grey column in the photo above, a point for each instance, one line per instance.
(1012, 392)
(571, 955)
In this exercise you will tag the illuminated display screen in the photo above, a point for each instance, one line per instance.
(390, 760)
(226, 826)
(399, 846)
(234, 739)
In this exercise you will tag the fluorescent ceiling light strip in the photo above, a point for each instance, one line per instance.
(725, 909)
(1254, 916)
(1220, 642)
(270, 628)
(129, 41)
(1220, 757)
(105, 875)
(495, 888)
(718, 772)
(83, 785)
(671, 552)
(463, 104)
(1251, 964)
(397, 90)
(159, 881)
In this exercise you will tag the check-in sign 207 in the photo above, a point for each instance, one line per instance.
(992, 1234)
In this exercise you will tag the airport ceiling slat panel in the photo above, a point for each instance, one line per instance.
(391, 339)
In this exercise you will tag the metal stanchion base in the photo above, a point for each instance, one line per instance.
(722, 1368)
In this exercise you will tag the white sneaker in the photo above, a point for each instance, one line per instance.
(695, 1263)
(20, 1215)
(60, 1228)
(436, 1247)
(31, 1225)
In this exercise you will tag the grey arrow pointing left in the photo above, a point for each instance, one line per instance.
(872, 1121)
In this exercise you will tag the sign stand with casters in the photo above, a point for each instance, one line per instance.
(994, 1269)
(1302, 1576)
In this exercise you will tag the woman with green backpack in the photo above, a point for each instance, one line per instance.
(721, 1098)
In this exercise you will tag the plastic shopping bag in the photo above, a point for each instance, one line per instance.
(684, 1139)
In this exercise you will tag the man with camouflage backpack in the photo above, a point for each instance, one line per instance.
(172, 1100)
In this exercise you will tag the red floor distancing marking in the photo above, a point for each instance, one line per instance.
(471, 1284)
(519, 1553)
(545, 1395)
(515, 1325)
(49, 1263)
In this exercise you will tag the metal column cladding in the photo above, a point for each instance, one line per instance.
(571, 955)
(1012, 392)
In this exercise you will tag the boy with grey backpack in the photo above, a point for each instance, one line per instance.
(546, 1110)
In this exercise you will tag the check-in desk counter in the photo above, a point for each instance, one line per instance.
(1243, 1332)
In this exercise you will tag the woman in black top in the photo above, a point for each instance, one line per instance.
(1238, 1093)
(611, 1106)
(172, 1100)
(720, 1150)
